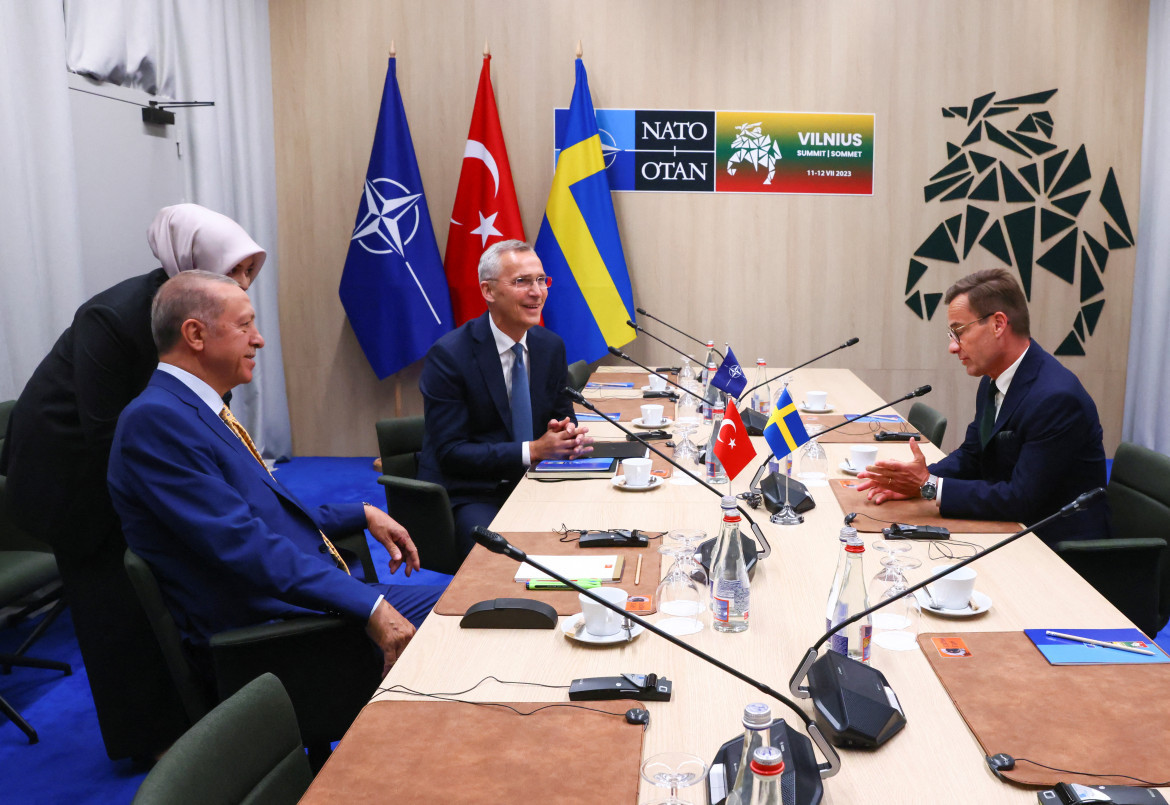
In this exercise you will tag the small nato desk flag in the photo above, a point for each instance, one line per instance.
(784, 431)
(393, 287)
(730, 377)
(591, 299)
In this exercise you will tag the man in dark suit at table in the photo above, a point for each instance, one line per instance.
(1035, 443)
(490, 386)
(232, 547)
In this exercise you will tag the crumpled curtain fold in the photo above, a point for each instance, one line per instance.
(1147, 386)
(131, 43)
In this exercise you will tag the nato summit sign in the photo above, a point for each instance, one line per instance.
(689, 151)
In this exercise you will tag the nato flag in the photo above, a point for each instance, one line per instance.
(730, 377)
(393, 287)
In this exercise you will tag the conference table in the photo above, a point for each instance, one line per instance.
(934, 759)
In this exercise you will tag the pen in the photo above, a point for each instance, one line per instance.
(1090, 641)
(638, 573)
(549, 584)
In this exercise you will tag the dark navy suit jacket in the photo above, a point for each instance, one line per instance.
(230, 546)
(468, 444)
(1045, 450)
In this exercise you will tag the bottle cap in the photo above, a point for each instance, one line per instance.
(761, 362)
(848, 533)
(757, 715)
(767, 761)
(728, 502)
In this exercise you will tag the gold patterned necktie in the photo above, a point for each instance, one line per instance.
(238, 429)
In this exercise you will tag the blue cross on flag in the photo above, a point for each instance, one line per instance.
(784, 431)
(730, 377)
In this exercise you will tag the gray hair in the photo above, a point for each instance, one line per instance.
(187, 295)
(489, 261)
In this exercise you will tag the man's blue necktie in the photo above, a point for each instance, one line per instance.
(521, 398)
(987, 424)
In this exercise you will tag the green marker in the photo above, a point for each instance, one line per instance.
(550, 584)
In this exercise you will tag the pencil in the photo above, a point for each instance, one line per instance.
(638, 572)
(1090, 641)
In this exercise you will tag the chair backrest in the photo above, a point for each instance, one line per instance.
(399, 441)
(929, 422)
(1139, 496)
(424, 510)
(196, 697)
(5, 412)
(578, 374)
(248, 749)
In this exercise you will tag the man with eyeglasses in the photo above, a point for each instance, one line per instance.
(494, 393)
(1035, 443)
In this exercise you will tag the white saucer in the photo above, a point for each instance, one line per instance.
(620, 482)
(805, 408)
(847, 468)
(569, 628)
(982, 604)
(665, 423)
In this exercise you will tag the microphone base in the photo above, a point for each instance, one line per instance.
(853, 703)
(750, 554)
(772, 488)
(798, 756)
(753, 421)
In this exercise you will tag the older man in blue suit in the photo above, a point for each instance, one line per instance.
(230, 546)
(1035, 443)
(490, 386)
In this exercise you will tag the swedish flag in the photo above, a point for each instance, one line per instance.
(591, 299)
(784, 431)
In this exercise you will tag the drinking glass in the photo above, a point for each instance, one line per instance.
(678, 596)
(814, 461)
(896, 626)
(674, 770)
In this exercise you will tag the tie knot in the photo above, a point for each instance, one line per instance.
(518, 351)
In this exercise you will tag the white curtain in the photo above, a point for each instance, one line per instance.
(1147, 386)
(40, 263)
(207, 50)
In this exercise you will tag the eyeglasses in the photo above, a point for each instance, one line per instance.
(524, 283)
(955, 333)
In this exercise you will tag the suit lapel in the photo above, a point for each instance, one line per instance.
(1025, 376)
(488, 360)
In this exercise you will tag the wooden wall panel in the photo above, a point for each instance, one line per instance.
(784, 277)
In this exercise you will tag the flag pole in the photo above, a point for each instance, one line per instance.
(392, 50)
(486, 51)
(579, 51)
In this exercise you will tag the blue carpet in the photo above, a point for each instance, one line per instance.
(70, 765)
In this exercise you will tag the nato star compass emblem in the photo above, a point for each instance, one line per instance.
(390, 209)
(735, 371)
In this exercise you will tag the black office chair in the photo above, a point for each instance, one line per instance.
(578, 375)
(929, 422)
(29, 580)
(327, 664)
(248, 749)
(1132, 569)
(423, 508)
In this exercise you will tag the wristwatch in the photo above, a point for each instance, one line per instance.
(929, 489)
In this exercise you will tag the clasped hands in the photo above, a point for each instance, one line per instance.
(895, 480)
(563, 440)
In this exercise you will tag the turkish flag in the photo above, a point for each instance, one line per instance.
(733, 448)
(485, 209)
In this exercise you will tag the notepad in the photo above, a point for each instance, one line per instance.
(577, 468)
(598, 417)
(1059, 651)
(606, 567)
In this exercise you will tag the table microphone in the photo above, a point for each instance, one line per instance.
(680, 332)
(771, 486)
(666, 344)
(754, 419)
(854, 703)
(750, 550)
(617, 352)
(809, 772)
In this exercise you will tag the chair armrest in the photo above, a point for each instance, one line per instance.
(424, 509)
(1087, 546)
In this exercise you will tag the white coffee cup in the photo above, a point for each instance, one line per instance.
(637, 471)
(657, 382)
(599, 621)
(816, 400)
(651, 414)
(862, 455)
(953, 591)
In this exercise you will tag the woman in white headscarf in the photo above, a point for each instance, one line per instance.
(55, 457)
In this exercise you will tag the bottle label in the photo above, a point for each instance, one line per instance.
(730, 600)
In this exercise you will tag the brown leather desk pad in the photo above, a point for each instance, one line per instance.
(486, 575)
(916, 511)
(629, 403)
(453, 752)
(1095, 718)
(853, 433)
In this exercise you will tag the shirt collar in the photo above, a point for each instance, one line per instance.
(503, 341)
(198, 386)
(1005, 379)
